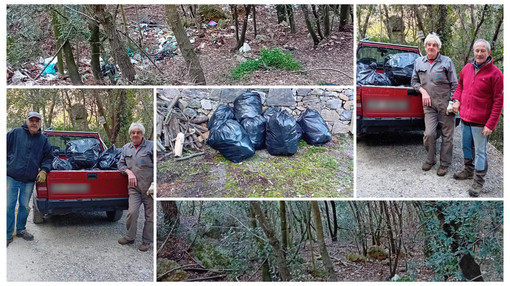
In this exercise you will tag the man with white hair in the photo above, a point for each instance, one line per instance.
(479, 99)
(136, 162)
(435, 79)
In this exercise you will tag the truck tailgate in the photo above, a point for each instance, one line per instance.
(389, 101)
(84, 184)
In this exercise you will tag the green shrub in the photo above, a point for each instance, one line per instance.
(268, 58)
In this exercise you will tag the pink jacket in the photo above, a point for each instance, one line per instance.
(480, 94)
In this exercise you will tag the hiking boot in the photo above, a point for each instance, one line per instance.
(427, 166)
(26, 236)
(467, 172)
(144, 246)
(442, 171)
(9, 240)
(124, 241)
(475, 190)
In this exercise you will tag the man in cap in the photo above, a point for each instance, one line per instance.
(29, 159)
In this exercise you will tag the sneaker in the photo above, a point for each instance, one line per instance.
(26, 236)
(9, 240)
(144, 246)
(442, 171)
(427, 166)
(124, 241)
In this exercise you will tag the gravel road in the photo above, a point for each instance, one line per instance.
(78, 247)
(389, 166)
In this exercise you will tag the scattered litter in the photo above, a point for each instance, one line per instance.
(212, 23)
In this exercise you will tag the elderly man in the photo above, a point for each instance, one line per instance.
(434, 77)
(136, 161)
(479, 99)
(29, 159)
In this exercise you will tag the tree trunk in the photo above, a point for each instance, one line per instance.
(95, 50)
(283, 226)
(292, 22)
(387, 23)
(317, 22)
(241, 40)
(281, 13)
(100, 111)
(266, 274)
(335, 222)
(316, 41)
(470, 48)
(498, 28)
(56, 32)
(117, 45)
(273, 241)
(419, 20)
(326, 261)
(254, 21)
(120, 107)
(170, 210)
(326, 20)
(192, 61)
(344, 18)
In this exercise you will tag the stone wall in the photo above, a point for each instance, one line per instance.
(334, 104)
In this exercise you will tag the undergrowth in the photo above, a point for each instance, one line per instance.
(275, 58)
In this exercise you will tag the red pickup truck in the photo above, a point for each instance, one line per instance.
(386, 108)
(79, 190)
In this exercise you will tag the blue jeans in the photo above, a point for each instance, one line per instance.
(17, 192)
(470, 135)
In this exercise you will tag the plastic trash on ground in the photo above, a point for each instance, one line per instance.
(83, 153)
(399, 68)
(282, 134)
(256, 129)
(50, 69)
(247, 105)
(231, 140)
(315, 129)
(222, 113)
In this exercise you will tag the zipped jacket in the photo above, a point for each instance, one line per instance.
(480, 92)
(27, 154)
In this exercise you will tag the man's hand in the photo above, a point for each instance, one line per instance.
(132, 182)
(41, 177)
(486, 131)
(425, 97)
(456, 107)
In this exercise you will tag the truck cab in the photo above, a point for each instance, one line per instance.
(68, 191)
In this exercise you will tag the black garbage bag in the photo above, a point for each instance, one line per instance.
(109, 158)
(268, 113)
(315, 130)
(231, 140)
(367, 75)
(60, 164)
(282, 134)
(256, 129)
(222, 113)
(83, 153)
(399, 68)
(247, 105)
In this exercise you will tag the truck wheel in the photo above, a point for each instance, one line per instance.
(113, 215)
(38, 217)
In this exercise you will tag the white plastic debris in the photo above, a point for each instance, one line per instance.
(245, 48)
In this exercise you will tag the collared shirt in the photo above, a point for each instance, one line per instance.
(438, 79)
(139, 161)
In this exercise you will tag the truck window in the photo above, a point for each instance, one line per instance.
(59, 142)
(376, 54)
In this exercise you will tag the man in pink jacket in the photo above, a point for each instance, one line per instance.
(479, 99)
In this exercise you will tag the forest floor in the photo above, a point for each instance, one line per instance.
(191, 248)
(331, 63)
(314, 171)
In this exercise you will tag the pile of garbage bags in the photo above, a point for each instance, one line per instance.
(86, 154)
(398, 70)
(237, 132)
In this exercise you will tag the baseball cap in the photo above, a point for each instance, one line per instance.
(34, 114)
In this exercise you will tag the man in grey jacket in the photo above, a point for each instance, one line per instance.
(434, 77)
(137, 163)
(28, 160)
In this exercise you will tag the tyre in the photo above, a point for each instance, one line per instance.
(114, 215)
(37, 216)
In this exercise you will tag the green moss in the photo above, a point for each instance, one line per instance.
(164, 265)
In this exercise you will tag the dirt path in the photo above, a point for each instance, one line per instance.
(389, 166)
